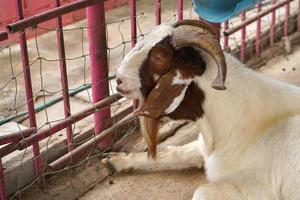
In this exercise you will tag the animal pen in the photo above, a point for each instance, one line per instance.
(38, 145)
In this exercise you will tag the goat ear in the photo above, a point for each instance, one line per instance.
(166, 96)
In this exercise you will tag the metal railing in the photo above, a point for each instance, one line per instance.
(245, 22)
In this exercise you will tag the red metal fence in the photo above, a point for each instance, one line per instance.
(105, 123)
(276, 5)
(31, 8)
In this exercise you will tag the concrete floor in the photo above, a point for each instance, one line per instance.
(169, 185)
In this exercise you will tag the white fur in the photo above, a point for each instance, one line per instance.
(155, 77)
(128, 71)
(176, 101)
(250, 137)
(178, 80)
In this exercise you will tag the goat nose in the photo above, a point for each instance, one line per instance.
(119, 82)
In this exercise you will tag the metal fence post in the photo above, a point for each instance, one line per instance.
(158, 11)
(273, 24)
(217, 27)
(258, 32)
(28, 89)
(132, 4)
(286, 20)
(98, 66)
(180, 9)
(64, 75)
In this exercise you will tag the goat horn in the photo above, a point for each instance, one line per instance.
(185, 36)
(198, 23)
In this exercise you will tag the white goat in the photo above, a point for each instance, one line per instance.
(249, 139)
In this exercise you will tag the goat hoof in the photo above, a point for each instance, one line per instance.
(108, 165)
(114, 161)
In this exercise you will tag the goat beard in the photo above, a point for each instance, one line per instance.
(149, 127)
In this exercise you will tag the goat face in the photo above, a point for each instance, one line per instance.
(160, 69)
(165, 79)
(128, 74)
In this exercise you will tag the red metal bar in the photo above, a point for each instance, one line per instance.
(273, 24)
(28, 90)
(158, 11)
(226, 26)
(3, 36)
(50, 14)
(42, 134)
(16, 136)
(217, 27)
(7, 149)
(3, 195)
(64, 75)
(253, 19)
(133, 31)
(286, 20)
(99, 69)
(258, 32)
(133, 22)
(87, 146)
(180, 9)
(81, 138)
(243, 38)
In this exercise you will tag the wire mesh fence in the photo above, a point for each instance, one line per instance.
(56, 82)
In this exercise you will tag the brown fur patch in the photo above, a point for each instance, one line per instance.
(150, 131)
(191, 106)
(190, 64)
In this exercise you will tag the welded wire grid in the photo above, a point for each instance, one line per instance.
(236, 39)
(44, 66)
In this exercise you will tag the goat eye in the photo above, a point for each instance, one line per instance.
(157, 59)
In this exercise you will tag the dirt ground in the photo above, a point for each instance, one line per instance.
(149, 186)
